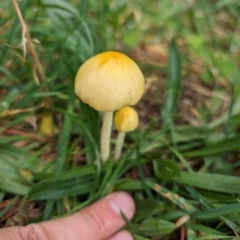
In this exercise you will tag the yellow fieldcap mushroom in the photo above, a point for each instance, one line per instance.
(125, 120)
(108, 82)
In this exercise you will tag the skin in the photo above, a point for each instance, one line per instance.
(100, 221)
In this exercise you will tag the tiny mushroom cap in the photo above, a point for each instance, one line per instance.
(126, 119)
(109, 81)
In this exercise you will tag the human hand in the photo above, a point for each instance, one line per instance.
(100, 221)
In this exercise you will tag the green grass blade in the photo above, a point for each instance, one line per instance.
(106, 185)
(30, 91)
(48, 209)
(233, 82)
(172, 89)
(83, 7)
(13, 152)
(69, 183)
(60, 5)
(130, 225)
(63, 142)
(224, 146)
(205, 229)
(173, 197)
(211, 181)
(5, 103)
(218, 211)
(10, 204)
(181, 158)
(91, 121)
(173, 83)
(142, 174)
(209, 237)
(225, 116)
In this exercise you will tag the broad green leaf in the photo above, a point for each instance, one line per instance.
(146, 207)
(128, 184)
(191, 235)
(167, 169)
(156, 226)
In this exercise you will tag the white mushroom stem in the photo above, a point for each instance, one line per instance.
(119, 145)
(105, 136)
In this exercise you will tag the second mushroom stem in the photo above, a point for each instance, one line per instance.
(119, 145)
(105, 136)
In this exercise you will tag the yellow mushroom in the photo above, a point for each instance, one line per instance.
(108, 82)
(125, 120)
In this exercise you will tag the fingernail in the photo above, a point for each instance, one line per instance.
(121, 201)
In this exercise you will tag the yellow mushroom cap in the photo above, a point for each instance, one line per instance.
(109, 81)
(126, 119)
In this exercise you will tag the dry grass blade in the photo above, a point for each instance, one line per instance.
(27, 44)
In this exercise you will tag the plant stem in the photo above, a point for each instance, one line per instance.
(119, 145)
(105, 136)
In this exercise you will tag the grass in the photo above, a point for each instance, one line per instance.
(181, 165)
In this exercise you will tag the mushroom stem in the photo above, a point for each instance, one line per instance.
(119, 145)
(105, 135)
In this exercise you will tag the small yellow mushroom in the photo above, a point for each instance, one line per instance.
(47, 126)
(108, 82)
(125, 120)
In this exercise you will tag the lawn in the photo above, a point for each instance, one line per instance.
(181, 164)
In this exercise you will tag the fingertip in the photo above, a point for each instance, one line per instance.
(122, 201)
(123, 235)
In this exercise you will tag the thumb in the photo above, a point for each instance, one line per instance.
(98, 221)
